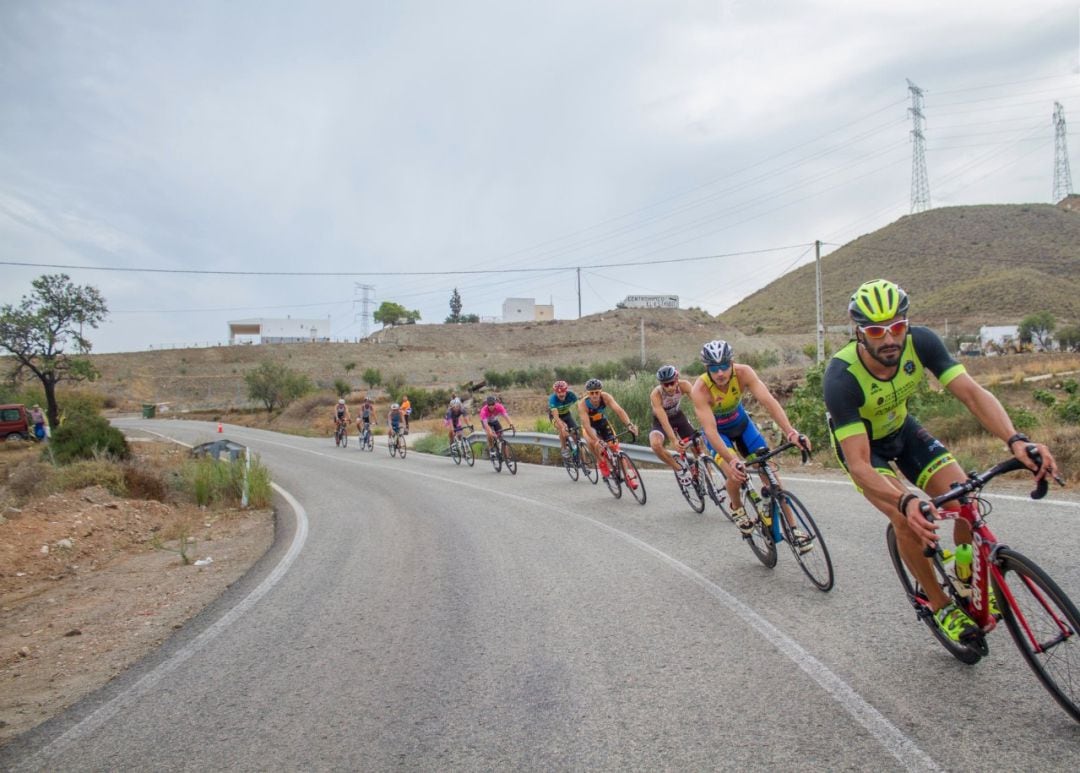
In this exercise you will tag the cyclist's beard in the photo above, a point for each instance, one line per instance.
(886, 354)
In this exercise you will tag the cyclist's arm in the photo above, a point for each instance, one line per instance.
(750, 379)
(991, 414)
(620, 412)
(703, 411)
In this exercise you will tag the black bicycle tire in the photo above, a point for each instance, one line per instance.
(1032, 574)
(402, 446)
(760, 539)
(496, 460)
(587, 463)
(392, 445)
(508, 457)
(455, 451)
(690, 493)
(613, 481)
(964, 652)
(714, 482)
(569, 462)
(468, 452)
(806, 522)
(637, 492)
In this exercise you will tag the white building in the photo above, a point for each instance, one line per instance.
(278, 331)
(526, 310)
(998, 335)
(650, 302)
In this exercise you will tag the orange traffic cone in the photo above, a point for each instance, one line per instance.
(219, 429)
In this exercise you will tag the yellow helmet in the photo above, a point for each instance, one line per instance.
(878, 301)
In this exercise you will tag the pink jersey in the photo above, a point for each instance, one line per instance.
(489, 412)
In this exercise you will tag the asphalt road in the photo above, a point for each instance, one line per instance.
(420, 616)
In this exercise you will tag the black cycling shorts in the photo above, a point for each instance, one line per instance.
(914, 451)
(682, 426)
(603, 429)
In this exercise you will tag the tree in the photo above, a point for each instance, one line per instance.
(1069, 338)
(469, 318)
(390, 313)
(40, 329)
(1037, 328)
(275, 385)
(372, 377)
(455, 307)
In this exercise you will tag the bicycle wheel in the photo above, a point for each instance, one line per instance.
(810, 551)
(337, 438)
(392, 445)
(613, 480)
(401, 447)
(710, 475)
(496, 460)
(628, 471)
(455, 451)
(507, 453)
(965, 652)
(693, 492)
(760, 539)
(1045, 625)
(467, 452)
(587, 463)
(569, 461)
(369, 440)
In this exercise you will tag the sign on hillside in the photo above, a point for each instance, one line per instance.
(649, 302)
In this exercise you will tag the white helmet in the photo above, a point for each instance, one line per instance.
(455, 403)
(394, 407)
(341, 401)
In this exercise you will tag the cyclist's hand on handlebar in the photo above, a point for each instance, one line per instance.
(801, 440)
(1037, 458)
(921, 519)
(735, 470)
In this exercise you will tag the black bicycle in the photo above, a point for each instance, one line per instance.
(578, 457)
(706, 479)
(502, 452)
(461, 448)
(779, 516)
(367, 442)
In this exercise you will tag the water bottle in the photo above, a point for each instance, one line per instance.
(962, 563)
(763, 507)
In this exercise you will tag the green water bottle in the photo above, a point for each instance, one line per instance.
(962, 563)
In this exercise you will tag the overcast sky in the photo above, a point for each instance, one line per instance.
(372, 138)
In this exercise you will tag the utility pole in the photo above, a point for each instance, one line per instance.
(579, 293)
(920, 183)
(1062, 176)
(643, 342)
(820, 310)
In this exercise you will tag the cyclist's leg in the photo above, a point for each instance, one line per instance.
(656, 443)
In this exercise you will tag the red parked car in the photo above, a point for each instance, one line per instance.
(14, 422)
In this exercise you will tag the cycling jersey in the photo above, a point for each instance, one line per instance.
(731, 417)
(341, 409)
(595, 411)
(858, 402)
(365, 411)
(395, 420)
(563, 406)
(491, 413)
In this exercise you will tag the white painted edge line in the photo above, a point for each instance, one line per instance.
(146, 683)
(988, 494)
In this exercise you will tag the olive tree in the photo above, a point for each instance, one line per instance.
(45, 333)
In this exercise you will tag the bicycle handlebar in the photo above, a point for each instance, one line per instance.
(780, 449)
(976, 480)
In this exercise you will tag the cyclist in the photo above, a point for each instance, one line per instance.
(717, 396)
(395, 417)
(490, 412)
(340, 414)
(596, 424)
(669, 421)
(867, 387)
(455, 416)
(406, 408)
(367, 415)
(560, 410)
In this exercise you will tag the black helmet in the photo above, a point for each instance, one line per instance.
(593, 384)
(667, 373)
(716, 353)
(490, 400)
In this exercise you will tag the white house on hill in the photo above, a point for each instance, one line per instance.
(526, 310)
(279, 331)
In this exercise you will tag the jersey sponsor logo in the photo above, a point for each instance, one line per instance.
(874, 388)
(909, 367)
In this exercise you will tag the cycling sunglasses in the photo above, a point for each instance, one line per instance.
(716, 367)
(897, 329)
(595, 391)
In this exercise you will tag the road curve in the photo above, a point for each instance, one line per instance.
(418, 615)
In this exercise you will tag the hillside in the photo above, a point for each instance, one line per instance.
(426, 355)
(968, 266)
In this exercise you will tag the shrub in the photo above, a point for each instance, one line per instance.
(143, 483)
(572, 374)
(1070, 411)
(633, 396)
(89, 472)
(1070, 386)
(806, 408)
(1044, 396)
(85, 436)
(761, 360)
(424, 402)
(210, 482)
(342, 388)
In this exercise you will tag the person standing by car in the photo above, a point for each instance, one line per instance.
(37, 418)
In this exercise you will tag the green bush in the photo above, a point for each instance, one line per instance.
(806, 408)
(424, 402)
(1044, 396)
(572, 374)
(212, 482)
(1070, 411)
(633, 396)
(435, 443)
(761, 360)
(342, 387)
(497, 380)
(86, 436)
(1070, 386)
(90, 472)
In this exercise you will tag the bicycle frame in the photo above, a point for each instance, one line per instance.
(768, 470)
